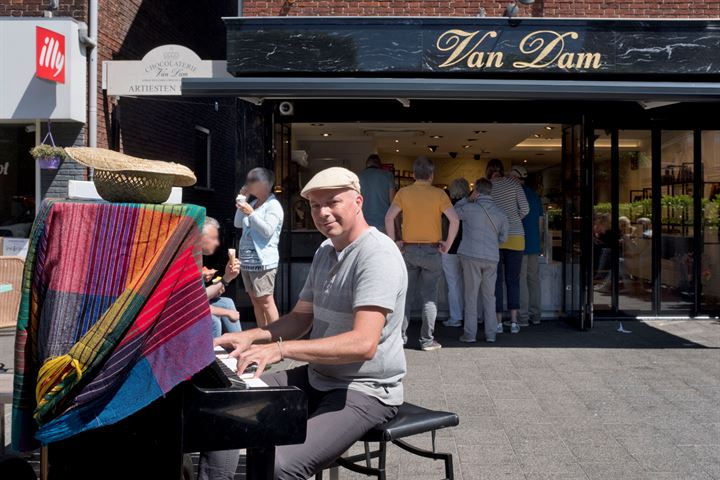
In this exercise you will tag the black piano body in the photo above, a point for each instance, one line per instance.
(197, 415)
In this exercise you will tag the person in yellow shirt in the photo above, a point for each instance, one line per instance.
(421, 243)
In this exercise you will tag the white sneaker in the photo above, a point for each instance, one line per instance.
(431, 347)
(514, 328)
(467, 339)
(452, 323)
(499, 328)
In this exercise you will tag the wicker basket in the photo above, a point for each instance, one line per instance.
(134, 187)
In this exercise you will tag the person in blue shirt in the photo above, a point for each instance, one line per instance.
(530, 298)
(378, 190)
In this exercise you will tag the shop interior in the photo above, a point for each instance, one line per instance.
(463, 149)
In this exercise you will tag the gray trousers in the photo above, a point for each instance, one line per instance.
(530, 306)
(337, 419)
(424, 267)
(479, 275)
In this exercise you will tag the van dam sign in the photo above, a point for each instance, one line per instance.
(516, 48)
(543, 48)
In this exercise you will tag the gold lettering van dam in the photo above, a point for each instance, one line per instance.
(542, 48)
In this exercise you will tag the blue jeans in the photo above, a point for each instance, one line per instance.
(508, 271)
(224, 324)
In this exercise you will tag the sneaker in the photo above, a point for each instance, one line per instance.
(499, 328)
(431, 347)
(535, 321)
(467, 339)
(514, 328)
(452, 323)
(524, 322)
(490, 340)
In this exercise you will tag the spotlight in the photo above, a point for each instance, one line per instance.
(326, 134)
(452, 154)
(466, 146)
(435, 136)
(432, 148)
(549, 127)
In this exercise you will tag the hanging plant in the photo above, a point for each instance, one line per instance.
(49, 156)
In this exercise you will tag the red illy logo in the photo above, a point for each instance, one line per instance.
(49, 55)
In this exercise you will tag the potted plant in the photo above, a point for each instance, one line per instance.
(49, 156)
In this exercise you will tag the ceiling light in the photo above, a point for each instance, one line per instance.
(436, 136)
(326, 134)
(472, 139)
(549, 127)
(397, 141)
(452, 154)
(536, 135)
(477, 132)
(524, 161)
(466, 146)
(397, 151)
(432, 148)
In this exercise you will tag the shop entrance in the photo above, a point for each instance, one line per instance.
(631, 205)
(552, 154)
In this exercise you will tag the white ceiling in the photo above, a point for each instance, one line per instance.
(490, 140)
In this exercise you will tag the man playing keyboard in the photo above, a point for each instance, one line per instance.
(352, 305)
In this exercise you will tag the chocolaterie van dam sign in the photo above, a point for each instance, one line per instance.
(471, 46)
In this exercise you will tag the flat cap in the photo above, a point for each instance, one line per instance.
(332, 178)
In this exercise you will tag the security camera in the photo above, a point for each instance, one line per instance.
(286, 108)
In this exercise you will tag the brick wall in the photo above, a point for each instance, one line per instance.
(33, 8)
(471, 8)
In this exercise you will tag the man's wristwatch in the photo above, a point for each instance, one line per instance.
(225, 284)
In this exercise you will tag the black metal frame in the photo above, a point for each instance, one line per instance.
(352, 462)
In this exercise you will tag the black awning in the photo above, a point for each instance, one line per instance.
(449, 89)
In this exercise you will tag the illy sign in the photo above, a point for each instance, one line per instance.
(49, 55)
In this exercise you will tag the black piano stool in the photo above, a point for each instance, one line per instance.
(410, 420)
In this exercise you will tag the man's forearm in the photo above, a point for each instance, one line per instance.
(340, 349)
(390, 228)
(292, 326)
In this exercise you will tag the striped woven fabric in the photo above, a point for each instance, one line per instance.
(113, 315)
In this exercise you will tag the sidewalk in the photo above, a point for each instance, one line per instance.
(555, 403)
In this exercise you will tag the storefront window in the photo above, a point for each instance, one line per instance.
(17, 182)
(676, 262)
(710, 266)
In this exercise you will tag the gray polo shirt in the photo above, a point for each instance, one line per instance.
(368, 272)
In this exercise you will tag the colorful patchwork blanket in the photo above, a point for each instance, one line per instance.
(113, 315)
